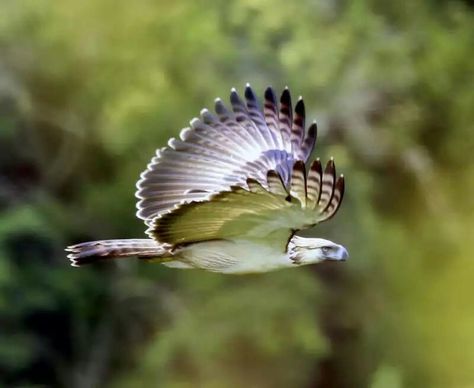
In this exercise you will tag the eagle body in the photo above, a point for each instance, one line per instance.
(245, 256)
(231, 257)
(230, 193)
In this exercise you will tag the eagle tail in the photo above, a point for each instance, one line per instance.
(93, 251)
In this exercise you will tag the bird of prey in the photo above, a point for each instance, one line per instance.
(230, 193)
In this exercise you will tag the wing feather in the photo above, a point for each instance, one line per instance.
(327, 187)
(297, 130)
(315, 177)
(309, 142)
(286, 118)
(256, 116)
(255, 212)
(298, 183)
(270, 112)
(243, 147)
(336, 199)
(275, 184)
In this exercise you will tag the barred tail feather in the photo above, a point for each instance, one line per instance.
(93, 251)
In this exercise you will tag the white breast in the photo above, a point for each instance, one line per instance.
(232, 257)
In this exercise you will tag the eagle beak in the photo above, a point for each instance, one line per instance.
(343, 254)
(338, 253)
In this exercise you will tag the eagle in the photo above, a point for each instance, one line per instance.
(230, 194)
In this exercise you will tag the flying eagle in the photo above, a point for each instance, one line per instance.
(229, 195)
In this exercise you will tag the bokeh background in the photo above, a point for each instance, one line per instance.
(89, 89)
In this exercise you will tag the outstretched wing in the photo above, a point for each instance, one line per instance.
(270, 214)
(222, 150)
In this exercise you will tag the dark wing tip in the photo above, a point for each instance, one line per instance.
(249, 93)
(207, 117)
(312, 130)
(299, 108)
(234, 96)
(330, 168)
(299, 166)
(220, 107)
(316, 166)
(286, 97)
(270, 95)
(340, 186)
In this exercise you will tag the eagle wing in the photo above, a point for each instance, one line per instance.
(223, 150)
(267, 212)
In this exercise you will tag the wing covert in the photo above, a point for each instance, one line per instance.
(265, 212)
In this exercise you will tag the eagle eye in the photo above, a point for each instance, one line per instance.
(326, 250)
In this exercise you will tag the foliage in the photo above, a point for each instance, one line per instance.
(89, 89)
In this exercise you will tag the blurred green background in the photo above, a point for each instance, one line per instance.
(88, 90)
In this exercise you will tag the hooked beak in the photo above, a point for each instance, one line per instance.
(343, 254)
(340, 254)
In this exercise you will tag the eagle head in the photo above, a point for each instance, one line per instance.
(304, 250)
